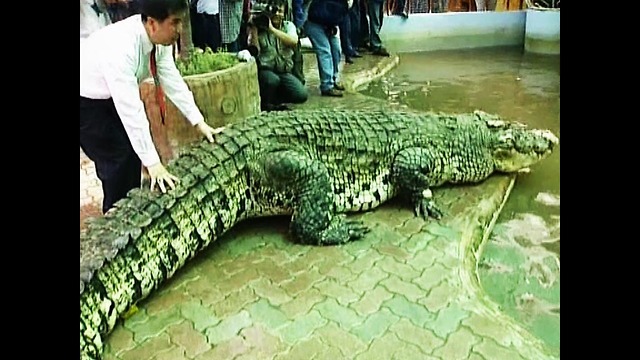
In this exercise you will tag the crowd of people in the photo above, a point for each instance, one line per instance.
(123, 42)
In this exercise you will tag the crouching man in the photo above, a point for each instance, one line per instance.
(272, 41)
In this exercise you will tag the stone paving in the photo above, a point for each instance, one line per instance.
(408, 290)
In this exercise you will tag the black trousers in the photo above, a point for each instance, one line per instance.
(280, 88)
(104, 140)
(206, 31)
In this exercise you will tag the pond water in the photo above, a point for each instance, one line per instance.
(520, 265)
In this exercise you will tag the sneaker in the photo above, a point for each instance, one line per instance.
(348, 60)
(381, 51)
(332, 92)
(338, 86)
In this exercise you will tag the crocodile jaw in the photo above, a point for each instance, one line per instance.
(515, 159)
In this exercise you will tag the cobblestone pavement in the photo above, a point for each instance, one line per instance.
(408, 290)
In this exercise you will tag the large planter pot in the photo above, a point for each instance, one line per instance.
(223, 97)
(542, 31)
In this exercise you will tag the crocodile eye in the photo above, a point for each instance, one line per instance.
(506, 141)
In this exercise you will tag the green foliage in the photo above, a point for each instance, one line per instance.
(199, 62)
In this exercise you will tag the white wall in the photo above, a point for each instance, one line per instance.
(453, 30)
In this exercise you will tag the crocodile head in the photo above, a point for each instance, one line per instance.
(514, 147)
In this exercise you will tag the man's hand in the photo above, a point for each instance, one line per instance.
(159, 175)
(207, 130)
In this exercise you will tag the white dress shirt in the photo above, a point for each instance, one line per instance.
(114, 61)
(90, 21)
(211, 7)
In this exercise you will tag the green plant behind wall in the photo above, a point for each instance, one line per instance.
(199, 62)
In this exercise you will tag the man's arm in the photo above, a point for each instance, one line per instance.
(120, 77)
(178, 92)
(174, 85)
(289, 36)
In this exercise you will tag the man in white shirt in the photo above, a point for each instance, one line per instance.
(93, 16)
(114, 129)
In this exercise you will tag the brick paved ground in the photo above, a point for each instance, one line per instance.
(408, 290)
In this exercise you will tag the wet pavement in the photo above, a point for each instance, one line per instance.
(408, 290)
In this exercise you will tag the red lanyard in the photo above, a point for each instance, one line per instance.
(159, 92)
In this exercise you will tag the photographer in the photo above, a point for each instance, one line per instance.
(272, 40)
(322, 28)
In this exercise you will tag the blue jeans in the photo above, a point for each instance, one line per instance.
(327, 49)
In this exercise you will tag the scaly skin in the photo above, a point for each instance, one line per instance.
(313, 165)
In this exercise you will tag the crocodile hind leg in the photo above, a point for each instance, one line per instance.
(412, 171)
(313, 221)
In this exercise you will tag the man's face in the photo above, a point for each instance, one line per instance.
(276, 19)
(167, 31)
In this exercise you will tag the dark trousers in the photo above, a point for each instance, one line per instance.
(345, 36)
(104, 140)
(280, 88)
(298, 63)
(400, 7)
(376, 15)
(206, 31)
(362, 34)
(232, 47)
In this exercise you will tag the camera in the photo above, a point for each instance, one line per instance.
(261, 13)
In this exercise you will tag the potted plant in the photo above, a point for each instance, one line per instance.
(542, 27)
(225, 90)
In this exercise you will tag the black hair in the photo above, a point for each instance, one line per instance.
(276, 3)
(162, 9)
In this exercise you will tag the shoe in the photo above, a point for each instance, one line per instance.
(381, 51)
(348, 60)
(332, 92)
(282, 107)
(355, 55)
(275, 107)
(338, 86)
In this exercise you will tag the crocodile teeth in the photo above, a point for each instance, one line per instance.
(525, 170)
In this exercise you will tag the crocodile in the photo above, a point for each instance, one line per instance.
(315, 165)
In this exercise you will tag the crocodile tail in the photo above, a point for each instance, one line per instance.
(148, 236)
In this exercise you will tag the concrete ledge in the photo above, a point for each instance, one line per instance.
(455, 30)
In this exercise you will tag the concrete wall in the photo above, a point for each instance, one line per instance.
(542, 32)
(453, 30)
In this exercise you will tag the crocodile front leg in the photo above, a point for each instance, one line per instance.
(313, 220)
(414, 171)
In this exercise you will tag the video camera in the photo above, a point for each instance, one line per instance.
(261, 13)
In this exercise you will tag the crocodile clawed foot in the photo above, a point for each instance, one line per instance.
(426, 208)
(357, 229)
(341, 231)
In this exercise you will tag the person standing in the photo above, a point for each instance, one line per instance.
(206, 29)
(93, 16)
(230, 21)
(322, 28)
(345, 38)
(114, 129)
(376, 15)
